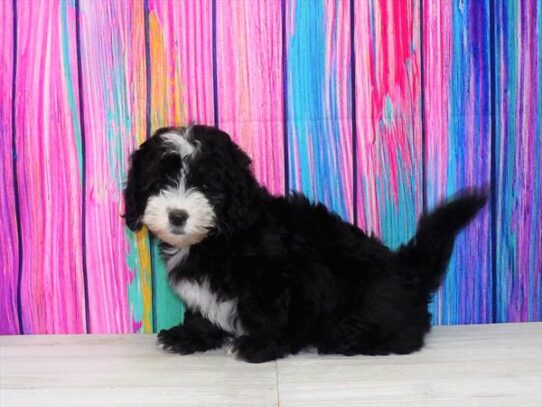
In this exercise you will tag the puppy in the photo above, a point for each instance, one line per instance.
(273, 275)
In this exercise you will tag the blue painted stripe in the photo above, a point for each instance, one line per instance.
(313, 128)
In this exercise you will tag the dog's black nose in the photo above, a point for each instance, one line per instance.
(177, 217)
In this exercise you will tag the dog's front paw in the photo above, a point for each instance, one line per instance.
(256, 350)
(178, 340)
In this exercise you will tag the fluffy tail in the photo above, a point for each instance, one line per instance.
(430, 249)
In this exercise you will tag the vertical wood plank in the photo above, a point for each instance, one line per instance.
(181, 62)
(9, 249)
(112, 43)
(249, 85)
(458, 145)
(181, 92)
(319, 103)
(518, 147)
(388, 117)
(49, 158)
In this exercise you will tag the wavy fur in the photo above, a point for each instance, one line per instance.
(291, 273)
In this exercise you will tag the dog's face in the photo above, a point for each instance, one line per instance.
(185, 183)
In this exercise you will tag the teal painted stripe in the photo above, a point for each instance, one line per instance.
(70, 90)
(170, 305)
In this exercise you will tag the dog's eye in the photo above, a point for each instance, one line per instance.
(204, 187)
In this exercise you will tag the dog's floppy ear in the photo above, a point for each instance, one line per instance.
(229, 148)
(133, 206)
(132, 212)
(140, 184)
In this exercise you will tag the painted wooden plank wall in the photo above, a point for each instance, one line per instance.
(378, 108)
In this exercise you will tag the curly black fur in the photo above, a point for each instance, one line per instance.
(299, 274)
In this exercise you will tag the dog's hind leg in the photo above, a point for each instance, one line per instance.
(264, 317)
(196, 334)
(353, 336)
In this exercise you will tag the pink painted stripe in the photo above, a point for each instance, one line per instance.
(9, 249)
(250, 92)
(437, 65)
(114, 89)
(180, 35)
(181, 62)
(437, 62)
(49, 168)
(388, 99)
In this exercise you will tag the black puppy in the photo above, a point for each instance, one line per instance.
(277, 274)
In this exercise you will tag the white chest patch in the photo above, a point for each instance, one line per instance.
(199, 297)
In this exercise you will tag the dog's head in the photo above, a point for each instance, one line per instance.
(185, 183)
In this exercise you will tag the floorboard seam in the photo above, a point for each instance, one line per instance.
(277, 382)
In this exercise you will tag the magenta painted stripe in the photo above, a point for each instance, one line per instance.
(114, 90)
(388, 117)
(52, 291)
(437, 31)
(9, 249)
(437, 36)
(249, 85)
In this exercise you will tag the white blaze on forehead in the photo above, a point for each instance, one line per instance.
(179, 143)
(201, 216)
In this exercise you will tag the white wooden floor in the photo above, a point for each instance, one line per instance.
(491, 365)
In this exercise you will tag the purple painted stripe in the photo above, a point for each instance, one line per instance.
(518, 65)
(458, 147)
(82, 161)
